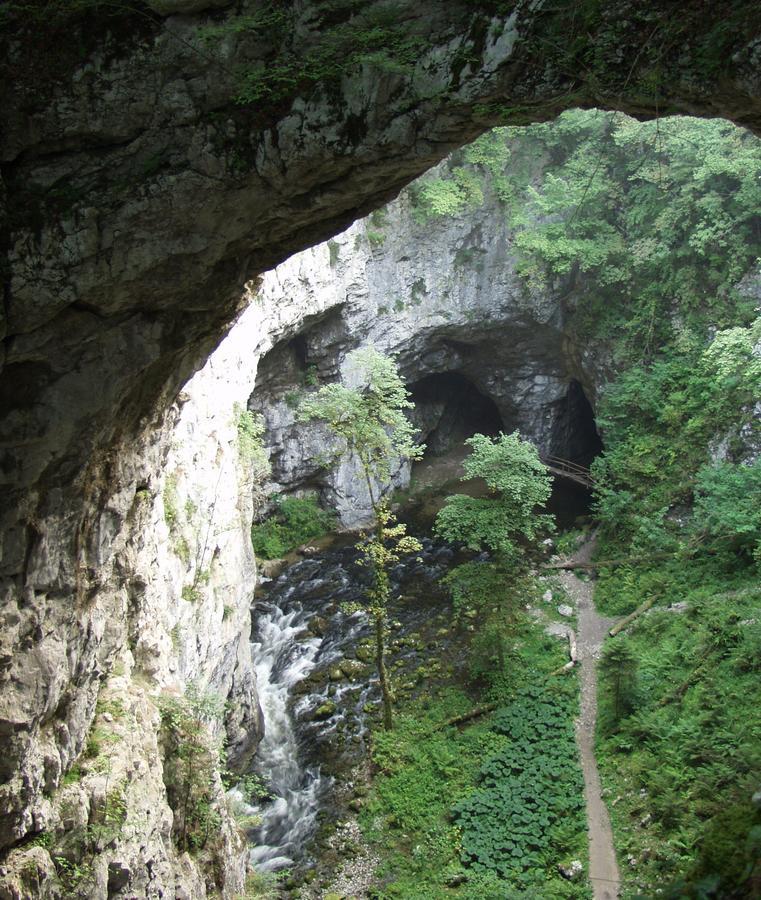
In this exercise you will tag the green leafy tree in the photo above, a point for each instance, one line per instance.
(728, 506)
(520, 486)
(369, 421)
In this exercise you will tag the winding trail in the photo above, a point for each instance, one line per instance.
(592, 628)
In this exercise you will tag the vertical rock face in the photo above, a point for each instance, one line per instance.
(443, 295)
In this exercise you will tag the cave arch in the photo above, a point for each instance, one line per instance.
(449, 408)
(130, 230)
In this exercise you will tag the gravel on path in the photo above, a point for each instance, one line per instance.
(592, 629)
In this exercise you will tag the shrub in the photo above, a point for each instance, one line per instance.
(295, 521)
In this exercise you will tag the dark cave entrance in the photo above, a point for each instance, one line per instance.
(574, 433)
(574, 437)
(449, 409)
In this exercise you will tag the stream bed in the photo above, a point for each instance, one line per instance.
(318, 687)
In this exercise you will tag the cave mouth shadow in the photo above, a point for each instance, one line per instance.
(574, 437)
(449, 409)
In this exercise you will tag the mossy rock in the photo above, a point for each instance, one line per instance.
(353, 668)
(364, 654)
(325, 711)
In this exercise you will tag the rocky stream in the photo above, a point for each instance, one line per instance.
(319, 689)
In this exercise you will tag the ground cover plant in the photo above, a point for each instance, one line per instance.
(437, 810)
(682, 757)
(652, 232)
(295, 521)
(529, 807)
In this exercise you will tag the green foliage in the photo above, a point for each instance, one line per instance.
(489, 151)
(381, 551)
(449, 196)
(73, 776)
(661, 215)
(529, 808)
(295, 521)
(348, 36)
(658, 422)
(251, 428)
(513, 471)
(684, 757)
(424, 767)
(618, 673)
(492, 596)
(170, 501)
(368, 420)
(728, 505)
(190, 765)
(191, 593)
(73, 875)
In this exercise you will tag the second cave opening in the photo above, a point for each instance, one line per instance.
(449, 408)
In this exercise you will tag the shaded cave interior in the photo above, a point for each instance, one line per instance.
(449, 408)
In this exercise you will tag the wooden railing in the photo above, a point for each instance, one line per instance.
(564, 468)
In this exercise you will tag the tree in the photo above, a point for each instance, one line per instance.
(369, 421)
(513, 471)
(618, 669)
(520, 485)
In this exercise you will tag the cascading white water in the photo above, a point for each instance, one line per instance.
(281, 661)
(327, 721)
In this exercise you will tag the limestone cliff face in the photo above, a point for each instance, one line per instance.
(137, 198)
(443, 295)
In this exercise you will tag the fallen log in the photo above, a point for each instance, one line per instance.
(627, 620)
(468, 716)
(572, 653)
(561, 670)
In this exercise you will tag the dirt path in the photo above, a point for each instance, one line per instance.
(592, 628)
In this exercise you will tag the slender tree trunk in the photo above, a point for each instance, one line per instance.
(380, 661)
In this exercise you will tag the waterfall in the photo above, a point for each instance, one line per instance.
(281, 661)
(303, 632)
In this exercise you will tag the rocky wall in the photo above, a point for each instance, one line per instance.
(138, 196)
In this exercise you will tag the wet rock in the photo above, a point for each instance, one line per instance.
(325, 711)
(572, 871)
(271, 568)
(353, 668)
(364, 654)
(319, 625)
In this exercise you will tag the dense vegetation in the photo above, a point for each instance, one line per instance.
(294, 521)
(442, 794)
(680, 744)
(650, 232)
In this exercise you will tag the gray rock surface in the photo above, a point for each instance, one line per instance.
(443, 296)
(137, 198)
